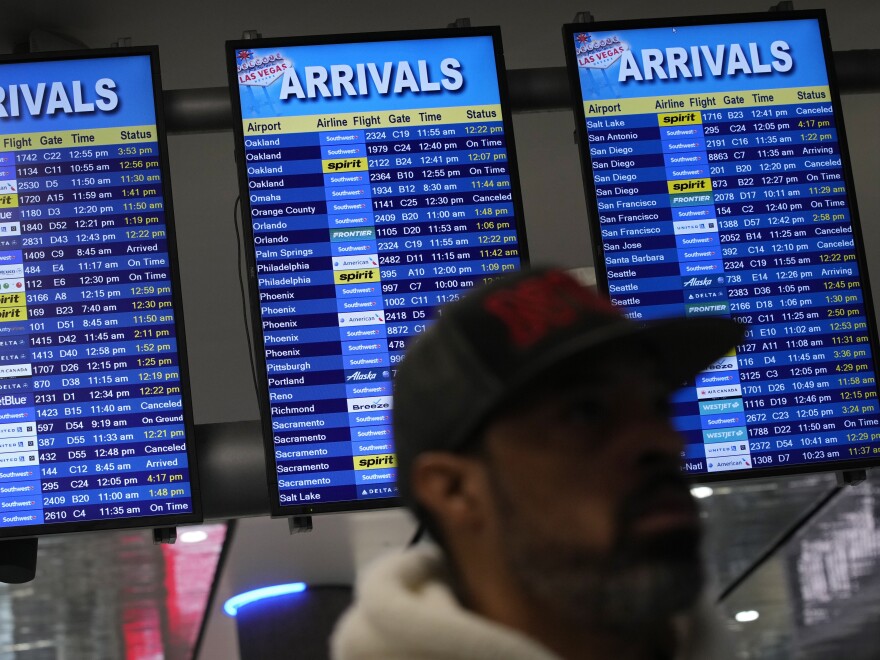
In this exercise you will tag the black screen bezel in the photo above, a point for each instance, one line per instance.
(165, 520)
(577, 104)
(263, 388)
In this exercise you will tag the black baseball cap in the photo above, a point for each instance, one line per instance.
(504, 336)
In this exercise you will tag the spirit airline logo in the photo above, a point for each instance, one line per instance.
(537, 306)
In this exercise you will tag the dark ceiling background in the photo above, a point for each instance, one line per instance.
(799, 551)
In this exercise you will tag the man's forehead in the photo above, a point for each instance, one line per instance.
(596, 377)
(599, 368)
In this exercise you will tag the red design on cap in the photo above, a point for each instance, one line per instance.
(536, 306)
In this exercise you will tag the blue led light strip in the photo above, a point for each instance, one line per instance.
(235, 603)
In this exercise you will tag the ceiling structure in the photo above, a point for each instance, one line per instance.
(801, 552)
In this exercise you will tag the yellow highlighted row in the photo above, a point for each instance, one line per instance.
(355, 276)
(13, 314)
(85, 139)
(352, 121)
(375, 462)
(670, 119)
(689, 185)
(8, 200)
(344, 165)
(720, 100)
(12, 299)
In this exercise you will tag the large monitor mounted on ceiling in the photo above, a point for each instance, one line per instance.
(95, 421)
(378, 180)
(718, 183)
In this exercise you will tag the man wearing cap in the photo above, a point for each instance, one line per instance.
(532, 432)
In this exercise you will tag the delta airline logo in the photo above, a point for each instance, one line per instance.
(598, 53)
(260, 71)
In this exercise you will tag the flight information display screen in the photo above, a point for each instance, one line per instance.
(719, 184)
(95, 421)
(378, 181)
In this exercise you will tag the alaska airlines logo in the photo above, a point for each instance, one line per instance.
(361, 375)
(598, 53)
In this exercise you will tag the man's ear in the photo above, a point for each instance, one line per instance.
(453, 488)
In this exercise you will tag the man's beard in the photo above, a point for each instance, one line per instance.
(640, 584)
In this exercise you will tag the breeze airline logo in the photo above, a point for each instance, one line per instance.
(369, 404)
(595, 53)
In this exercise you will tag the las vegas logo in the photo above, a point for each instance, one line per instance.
(260, 70)
(598, 53)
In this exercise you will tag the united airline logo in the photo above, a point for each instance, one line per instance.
(598, 53)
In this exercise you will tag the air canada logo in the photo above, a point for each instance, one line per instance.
(598, 53)
(260, 70)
